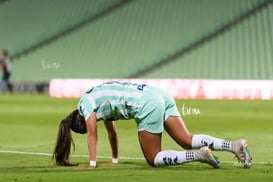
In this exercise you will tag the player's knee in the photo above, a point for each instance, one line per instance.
(150, 161)
(187, 143)
(187, 146)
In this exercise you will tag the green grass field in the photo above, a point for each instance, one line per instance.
(29, 124)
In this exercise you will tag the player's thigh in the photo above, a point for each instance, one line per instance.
(150, 144)
(177, 129)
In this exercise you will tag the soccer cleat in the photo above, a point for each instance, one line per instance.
(205, 155)
(242, 153)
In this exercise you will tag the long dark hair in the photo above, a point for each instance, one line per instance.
(64, 138)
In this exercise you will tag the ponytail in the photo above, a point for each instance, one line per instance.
(64, 141)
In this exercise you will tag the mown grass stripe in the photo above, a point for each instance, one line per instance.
(105, 157)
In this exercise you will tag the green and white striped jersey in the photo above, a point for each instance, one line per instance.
(112, 101)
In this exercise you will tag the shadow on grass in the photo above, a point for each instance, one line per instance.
(122, 166)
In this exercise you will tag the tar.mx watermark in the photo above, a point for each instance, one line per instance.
(46, 64)
(190, 110)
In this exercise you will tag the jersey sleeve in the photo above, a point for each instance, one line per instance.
(85, 108)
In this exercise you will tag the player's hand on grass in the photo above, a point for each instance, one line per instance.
(82, 168)
(108, 164)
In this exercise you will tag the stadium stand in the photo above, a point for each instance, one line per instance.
(28, 22)
(2, 1)
(137, 37)
(242, 51)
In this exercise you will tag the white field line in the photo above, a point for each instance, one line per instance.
(104, 157)
(72, 155)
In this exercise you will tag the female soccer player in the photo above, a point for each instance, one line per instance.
(152, 110)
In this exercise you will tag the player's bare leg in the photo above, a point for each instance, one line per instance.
(151, 148)
(176, 128)
(150, 144)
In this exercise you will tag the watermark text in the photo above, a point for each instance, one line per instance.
(46, 64)
(189, 110)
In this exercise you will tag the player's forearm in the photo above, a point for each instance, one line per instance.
(113, 140)
(92, 146)
(92, 137)
(112, 137)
